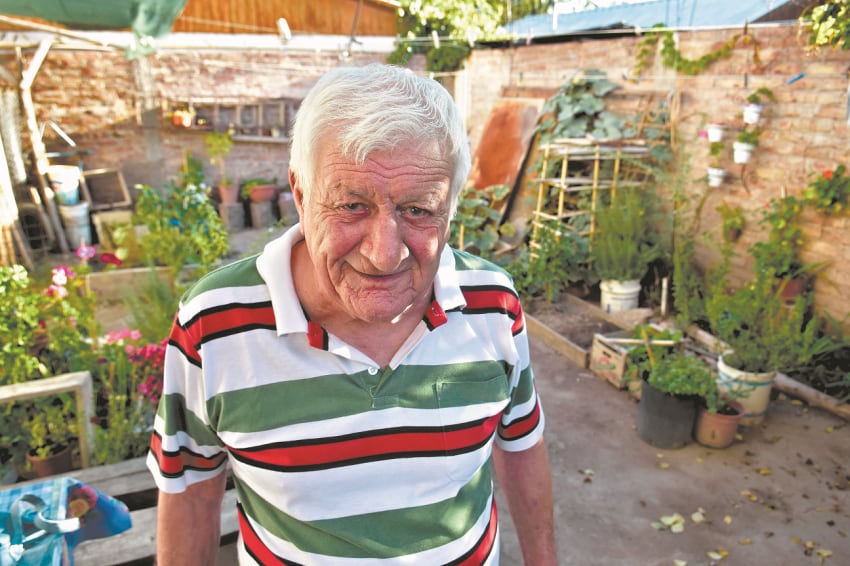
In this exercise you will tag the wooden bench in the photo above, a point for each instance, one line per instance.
(131, 482)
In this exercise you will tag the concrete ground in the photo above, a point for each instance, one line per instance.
(780, 495)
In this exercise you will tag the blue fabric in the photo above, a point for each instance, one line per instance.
(100, 516)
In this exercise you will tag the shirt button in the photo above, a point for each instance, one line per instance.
(373, 371)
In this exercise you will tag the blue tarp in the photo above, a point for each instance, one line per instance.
(681, 13)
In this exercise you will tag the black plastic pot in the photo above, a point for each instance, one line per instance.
(664, 420)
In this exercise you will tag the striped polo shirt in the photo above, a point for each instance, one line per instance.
(336, 460)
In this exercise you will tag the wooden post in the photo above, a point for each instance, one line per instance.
(37, 143)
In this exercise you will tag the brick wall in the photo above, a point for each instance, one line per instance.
(98, 99)
(805, 130)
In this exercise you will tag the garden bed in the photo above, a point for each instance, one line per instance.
(569, 324)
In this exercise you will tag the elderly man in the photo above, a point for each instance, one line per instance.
(361, 378)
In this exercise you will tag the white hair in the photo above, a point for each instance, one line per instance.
(373, 108)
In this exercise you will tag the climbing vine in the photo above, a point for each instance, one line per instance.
(828, 24)
(672, 58)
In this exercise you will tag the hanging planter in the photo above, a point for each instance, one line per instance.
(752, 113)
(742, 152)
(716, 176)
(714, 131)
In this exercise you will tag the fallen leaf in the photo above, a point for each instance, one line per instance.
(727, 519)
(739, 436)
(718, 554)
(823, 554)
(796, 402)
(663, 465)
(828, 429)
(745, 541)
(680, 563)
(749, 495)
(765, 471)
(675, 523)
(698, 516)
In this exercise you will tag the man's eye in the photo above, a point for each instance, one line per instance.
(353, 206)
(416, 211)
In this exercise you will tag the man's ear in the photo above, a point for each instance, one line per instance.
(297, 194)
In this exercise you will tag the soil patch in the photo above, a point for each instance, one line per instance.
(571, 319)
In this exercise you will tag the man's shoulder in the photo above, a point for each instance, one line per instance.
(240, 273)
(465, 261)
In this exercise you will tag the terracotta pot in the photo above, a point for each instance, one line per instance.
(790, 289)
(717, 430)
(228, 193)
(263, 193)
(58, 463)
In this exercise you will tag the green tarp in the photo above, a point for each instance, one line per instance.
(147, 18)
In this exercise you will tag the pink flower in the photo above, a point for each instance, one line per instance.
(61, 274)
(110, 258)
(703, 134)
(58, 291)
(86, 252)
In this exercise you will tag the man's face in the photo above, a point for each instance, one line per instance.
(375, 232)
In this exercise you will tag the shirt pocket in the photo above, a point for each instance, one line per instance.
(470, 411)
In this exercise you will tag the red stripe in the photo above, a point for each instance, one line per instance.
(325, 453)
(174, 464)
(234, 318)
(485, 545)
(496, 300)
(187, 342)
(522, 426)
(254, 545)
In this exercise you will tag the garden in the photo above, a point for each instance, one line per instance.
(51, 326)
(615, 206)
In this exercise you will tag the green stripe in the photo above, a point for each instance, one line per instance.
(338, 395)
(241, 273)
(465, 261)
(172, 410)
(525, 390)
(382, 534)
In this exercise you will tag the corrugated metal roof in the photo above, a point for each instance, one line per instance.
(678, 13)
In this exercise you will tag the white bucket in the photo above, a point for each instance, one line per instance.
(754, 389)
(619, 295)
(75, 217)
(65, 182)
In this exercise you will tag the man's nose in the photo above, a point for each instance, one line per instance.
(383, 244)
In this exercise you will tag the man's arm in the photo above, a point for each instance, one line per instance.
(526, 480)
(189, 524)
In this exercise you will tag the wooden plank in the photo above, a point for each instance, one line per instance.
(139, 543)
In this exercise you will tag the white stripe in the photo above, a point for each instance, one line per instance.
(439, 555)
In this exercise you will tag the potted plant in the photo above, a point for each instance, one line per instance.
(759, 335)
(829, 191)
(259, 189)
(745, 144)
(755, 104)
(733, 221)
(623, 244)
(716, 172)
(49, 432)
(778, 256)
(668, 399)
(219, 145)
(718, 414)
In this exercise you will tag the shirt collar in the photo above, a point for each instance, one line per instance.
(275, 267)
